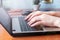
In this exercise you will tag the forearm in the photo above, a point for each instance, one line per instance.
(53, 13)
(57, 14)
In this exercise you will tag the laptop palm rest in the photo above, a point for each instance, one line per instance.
(15, 25)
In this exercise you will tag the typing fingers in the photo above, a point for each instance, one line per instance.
(28, 16)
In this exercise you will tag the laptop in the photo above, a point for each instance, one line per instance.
(17, 26)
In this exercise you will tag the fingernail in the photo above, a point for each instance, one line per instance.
(31, 25)
(25, 19)
(28, 23)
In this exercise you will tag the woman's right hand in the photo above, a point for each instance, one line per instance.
(37, 13)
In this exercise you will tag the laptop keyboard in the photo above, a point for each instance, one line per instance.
(24, 26)
(20, 25)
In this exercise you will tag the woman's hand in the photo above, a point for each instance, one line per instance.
(44, 19)
(37, 13)
(33, 14)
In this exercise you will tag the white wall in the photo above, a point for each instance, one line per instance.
(25, 4)
(18, 4)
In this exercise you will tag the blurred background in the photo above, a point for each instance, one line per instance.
(26, 4)
(18, 4)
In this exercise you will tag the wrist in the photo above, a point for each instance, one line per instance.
(50, 13)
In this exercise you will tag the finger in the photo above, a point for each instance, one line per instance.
(33, 20)
(36, 24)
(39, 23)
(28, 16)
(35, 14)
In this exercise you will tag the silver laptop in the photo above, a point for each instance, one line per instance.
(17, 26)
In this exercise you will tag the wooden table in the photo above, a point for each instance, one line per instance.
(4, 35)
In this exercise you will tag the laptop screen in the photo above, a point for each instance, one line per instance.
(5, 19)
